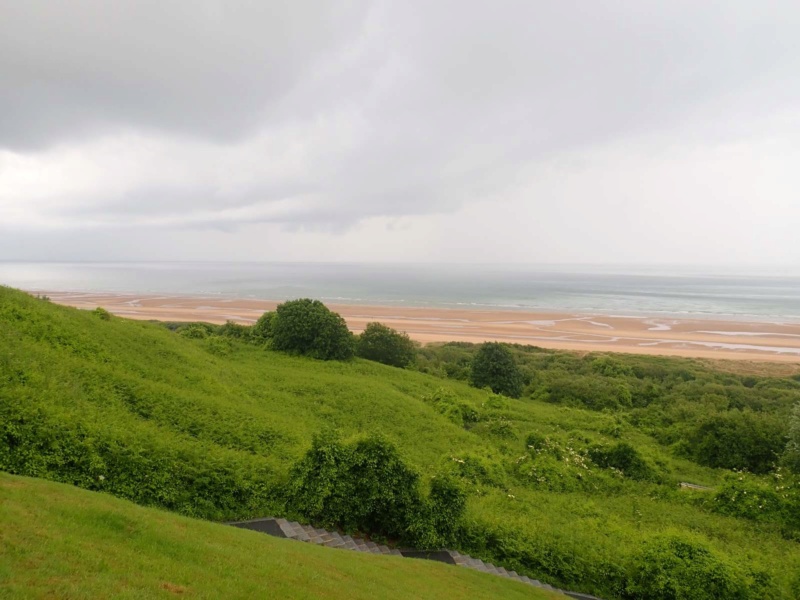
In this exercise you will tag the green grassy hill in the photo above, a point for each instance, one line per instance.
(211, 427)
(57, 541)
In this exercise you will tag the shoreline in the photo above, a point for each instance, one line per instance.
(707, 338)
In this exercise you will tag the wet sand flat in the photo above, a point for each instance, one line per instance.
(705, 338)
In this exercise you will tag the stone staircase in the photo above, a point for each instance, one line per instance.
(333, 539)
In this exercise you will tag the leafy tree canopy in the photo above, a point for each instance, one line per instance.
(385, 345)
(494, 367)
(308, 327)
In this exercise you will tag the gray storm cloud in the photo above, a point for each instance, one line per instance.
(212, 70)
(323, 114)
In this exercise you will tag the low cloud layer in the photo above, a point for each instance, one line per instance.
(364, 129)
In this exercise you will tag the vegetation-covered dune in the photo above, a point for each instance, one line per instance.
(576, 483)
(57, 541)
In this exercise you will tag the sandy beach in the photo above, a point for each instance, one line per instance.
(704, 338)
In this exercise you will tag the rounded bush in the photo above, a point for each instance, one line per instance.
(309, 328)
(674, 567)
(494, 367)
(365, 486)
(102, 313)
(385, 345)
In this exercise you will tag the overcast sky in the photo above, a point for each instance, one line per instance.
(538, 131)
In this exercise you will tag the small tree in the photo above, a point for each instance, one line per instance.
(308, 327)
(494, 367)
(385, 345)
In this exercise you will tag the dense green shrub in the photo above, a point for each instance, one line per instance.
(675, 567)
(447, 502)
(775, 500)
(477, 470)
(498, 427)
(737, 440)
(196, 331)
(219, 345)
(197, 479)
(595, 392)
(262, 330)
(235, 331)
(624, 458)
(611, 367)
(308, 327)
(535, 441)
(385, 345)
(494, 367)
(365, 486)
(102, 313)
(561, 465)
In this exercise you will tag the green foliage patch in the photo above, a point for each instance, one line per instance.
(494, 367)
(309, 328)
(385, 345)
(365, 486)
(213, 426)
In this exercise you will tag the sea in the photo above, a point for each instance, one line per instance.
(763, 294)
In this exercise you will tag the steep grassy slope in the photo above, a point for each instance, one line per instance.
(211, 427)
(59, 541)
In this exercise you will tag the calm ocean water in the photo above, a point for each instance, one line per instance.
(773, 295)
